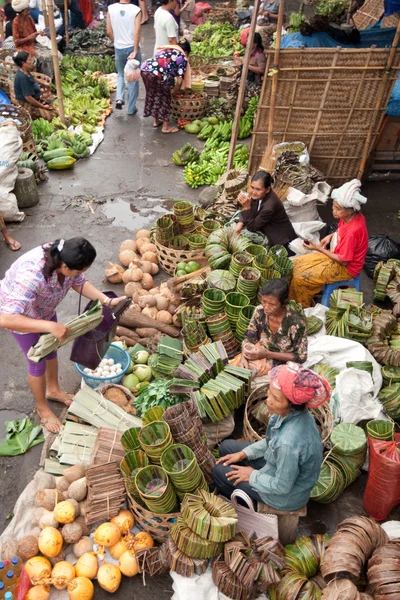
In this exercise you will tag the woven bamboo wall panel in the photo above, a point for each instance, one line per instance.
(370, 13)
(328, 99)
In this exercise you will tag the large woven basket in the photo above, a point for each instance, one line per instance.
(10, 111)
(159, 526)
(323, 416)
(188, 106)
(170, 257)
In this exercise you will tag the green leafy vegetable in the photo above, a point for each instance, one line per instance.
(20, 436)
(157, 393)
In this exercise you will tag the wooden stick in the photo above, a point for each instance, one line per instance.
(56, 65)
(378, 106)
(45, 14)
(243, 83)
(66, 21)
(275, 67)
(2, 34)
(252, 165)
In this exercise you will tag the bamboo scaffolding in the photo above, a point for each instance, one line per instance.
(275, 68)
(66, 21)
(243, 83)
(56, 65)
(371, 137)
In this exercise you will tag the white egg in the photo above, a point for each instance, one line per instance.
(118, 366)
(106, 368)
(111, 361)
(118, 372)
(86, 371)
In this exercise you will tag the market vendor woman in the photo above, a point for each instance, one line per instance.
(30, 292)
(281, 469)
(35, 99)
(342, 263)
(264, 212)
(276, 333)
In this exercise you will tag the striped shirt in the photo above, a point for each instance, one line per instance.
(25, 290)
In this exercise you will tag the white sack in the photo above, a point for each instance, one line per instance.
(200, 587)
(10, 151)
(307, 230)
(216, 432)
(392, 528)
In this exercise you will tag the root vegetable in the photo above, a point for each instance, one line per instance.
(107, 534)
(47, 498)
(78, 489)
(63, 573)
(62, 484)
(64, 512)
(130, 342)
(71, 532)
(109, 577)
(150, 312)
(81, 588)
(128, 245)
(86, 529)
(87, 565)
(74, 473)
(136, 274)
(37, 515)
(38, 592)
(143, 233)
(148, 300)
(172, 308)
(50, 541)
(83, 546)
(161, 302)
(118, 550)
(48, 519)
(125, 521)
(38, 568)
(27, 547)
(148, 248)
(134, 320)
(113, 273)
(145, 332)
(147, 281)
(126, 257)
(128, 564)
(177, 320)
(151, 257)
(165, 317)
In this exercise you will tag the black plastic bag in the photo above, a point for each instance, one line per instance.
(380, 247)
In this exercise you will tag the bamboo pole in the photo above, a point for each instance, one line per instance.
(378, 106)
(66, 21)
(275, 68)
(56, 64)
(45, 14)
(253, 145)
(2, 35)
(243, 83)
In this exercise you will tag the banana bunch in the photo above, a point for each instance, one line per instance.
(195, 174)
(185, 155)
(212, 164)
(246, 122)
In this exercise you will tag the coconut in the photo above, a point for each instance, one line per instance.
(154, 268)
(164, 317)
(63, 573)
(126, 257)
(73, 473)
(62, 484)
(47, 498)
(140, 242)
(56, 559)
(128, 245)
(86, 528)
(151, 257)
(27, 547)
(161, 302)
(126, 276)
(84, 545)
(146, 266)
(76, 506)
(147, 281)
(131, 288)
(143, 233)
(48, 519)
(78, 489)
(64, 512)
(113, 273)
(50, 542)
(150, 312)
(136, 274)
(117, 396)
(71, 532)
(149, 247)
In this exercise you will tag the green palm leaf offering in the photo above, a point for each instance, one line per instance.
(155, 490)
(381, 430)
(348, 439)
(209, 516)
(330, 373)
(390, 375)
(130, 465)
(330, 484)
(390, 398)
(221, 280)
(78, 326)
(314, 324)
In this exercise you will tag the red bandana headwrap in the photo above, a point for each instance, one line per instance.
(300, 385)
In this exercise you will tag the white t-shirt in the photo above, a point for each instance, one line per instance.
(122, 18)
(165, 27)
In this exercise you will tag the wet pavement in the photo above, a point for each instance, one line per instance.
(124, 187)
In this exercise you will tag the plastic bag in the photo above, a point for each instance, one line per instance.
(132, 70)
(382, 492)
(199, 9)
(380, 247)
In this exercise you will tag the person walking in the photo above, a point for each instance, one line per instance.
(123, 28)
(165, 27)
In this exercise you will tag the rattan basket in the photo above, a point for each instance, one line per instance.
(159, 526)
(10, 111)
(188, 106)
(7, 70)
(170, 257)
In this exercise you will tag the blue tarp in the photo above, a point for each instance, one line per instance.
(391, 7)
(374, 36)
(393, 107)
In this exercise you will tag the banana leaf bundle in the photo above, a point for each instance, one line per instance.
(384, 325)
(190, 289)
(78, 326)
(330, 373)
(331, 483)
(348, 439)
(222, 280)
(129, 467)
(180, 464)
(384, 572)
(390, 375)
(339, 589)
(278, 252)
(383, 273)
(155, 438)
(248, 282)
(175, 560)
(304, 556)
(342, 299)
(314, 324)
(239, 261)
(185, 155)
(348, 550)
(155, 490)
(389, 396)
(209, 516)
(296, 587)
(192, 544)
(221, 244)
(381, 430)
(155, 413)
(361, 365)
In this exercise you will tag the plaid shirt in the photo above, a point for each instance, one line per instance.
(25, 291)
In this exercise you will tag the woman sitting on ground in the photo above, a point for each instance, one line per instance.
(312, 271)
(281, 469)
(276, 333)
(35, 99)
(264, 212)
(257, 62)
(163, 76)
(23, 27)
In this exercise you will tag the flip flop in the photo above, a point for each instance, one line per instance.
(14, 245)
(119, 104)
(158, 125)
(45, 422)
(172, 130)
(66, 402)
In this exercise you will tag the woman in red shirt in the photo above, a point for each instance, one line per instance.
(312, 271)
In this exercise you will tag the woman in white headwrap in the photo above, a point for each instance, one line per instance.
(312, 271)
(23, 27)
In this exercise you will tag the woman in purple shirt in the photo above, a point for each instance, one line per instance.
(30, 292)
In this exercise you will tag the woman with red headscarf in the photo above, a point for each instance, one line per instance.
(281, 469)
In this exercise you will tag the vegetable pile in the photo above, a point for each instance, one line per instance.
(216, 39)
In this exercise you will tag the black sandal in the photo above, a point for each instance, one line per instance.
(119, 104)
